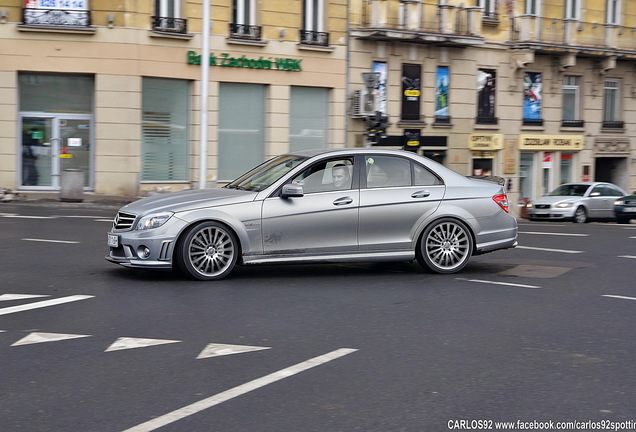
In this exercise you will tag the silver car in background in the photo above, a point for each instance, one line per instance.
(319, 206)
(578, 202)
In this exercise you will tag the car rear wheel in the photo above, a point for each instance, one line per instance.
(208, 251)
(445, 246)
(580, 215)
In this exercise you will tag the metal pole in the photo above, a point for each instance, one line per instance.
(205, 77)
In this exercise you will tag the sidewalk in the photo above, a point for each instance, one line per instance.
(52, 198)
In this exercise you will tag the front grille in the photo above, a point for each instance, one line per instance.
(542, 206)
(124, 221)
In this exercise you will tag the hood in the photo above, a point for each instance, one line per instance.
(188, 200)
(556, 199)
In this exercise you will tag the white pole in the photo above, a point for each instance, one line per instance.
(205, 77)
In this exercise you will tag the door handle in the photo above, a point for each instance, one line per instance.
(421, 194)
(343, 201)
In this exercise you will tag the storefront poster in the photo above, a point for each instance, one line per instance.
(532, 87)
(411, 91)
(380, 88)
(486, 99)
(442, 83)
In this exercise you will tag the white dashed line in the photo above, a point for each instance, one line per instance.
(50, 241)
(550, 250)
(619, 297)
(500, 283)
(44, 303)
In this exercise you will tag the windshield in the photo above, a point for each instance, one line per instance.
(266, 173)
(570, 190)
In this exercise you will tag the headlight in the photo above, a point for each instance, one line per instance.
(564, 205)
(529, 205)
(153, 220)
(619, 202)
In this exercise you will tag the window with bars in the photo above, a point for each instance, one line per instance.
(571, 102)
(489, 9)
(611, 104)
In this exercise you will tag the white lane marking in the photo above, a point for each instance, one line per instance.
(499, 283)
(104, 220)
(549, 250)
(38, 337)
(129, 343)
(44, 303)
(17, 216)
(50, 241)
(242, 389)
(627, 256)
(619, 297)
(8, 297)
(216, 350)
(553, 234)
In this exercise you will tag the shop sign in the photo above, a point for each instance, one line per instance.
(485, 142)
(551, 142)
(226, 60)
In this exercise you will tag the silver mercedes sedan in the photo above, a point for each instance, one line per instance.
(342, 205)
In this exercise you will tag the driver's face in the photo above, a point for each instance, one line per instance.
(339, 177)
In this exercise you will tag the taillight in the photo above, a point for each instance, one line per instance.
(502, 200)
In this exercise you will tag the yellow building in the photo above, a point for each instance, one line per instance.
(539, 92)
(113, 88)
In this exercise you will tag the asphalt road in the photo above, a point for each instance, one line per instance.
(541, 333)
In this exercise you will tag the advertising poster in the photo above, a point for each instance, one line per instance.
(380, 88)
(411, 91)
(486, 85)
(442, 83)
(532, 86)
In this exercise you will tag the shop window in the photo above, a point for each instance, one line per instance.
(167, 17)
(611, 104)
(56, 93)
(313, 32)
(486, 96)
(532, 99)
(526, 176)
(309, 118)
(243, 25)
(571, 102)
(566, 167)
(241, 128)
(164, 137)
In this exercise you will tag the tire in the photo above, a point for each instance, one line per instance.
(445, 246)
(208, 251)
(580, 215)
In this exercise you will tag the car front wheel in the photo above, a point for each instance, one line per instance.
(445, 246)
(580, 215)
(208, 251)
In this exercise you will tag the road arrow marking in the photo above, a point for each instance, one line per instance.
(216, 350)
(44, 303)
(242, 389)
(7, 297)
(128, 343)
(34, 338)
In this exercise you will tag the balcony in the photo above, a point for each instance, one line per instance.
(314, 38)
(562, 35)
(417, 22)
(169, 25)
(56, 18)
(245, 32)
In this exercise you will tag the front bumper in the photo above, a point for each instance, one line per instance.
(551, 214)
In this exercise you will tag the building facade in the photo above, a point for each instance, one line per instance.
(539, 92)
(113, 88)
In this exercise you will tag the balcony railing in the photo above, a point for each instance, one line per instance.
(56, 17)
(245, 32)
(418, 18)
(169, 24)
(569, 32)
(613, 124)
(310, 37)
(572, 123)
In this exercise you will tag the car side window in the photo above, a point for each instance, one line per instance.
(387, 171)
(425, 177)
(326, 176)
(612, 191)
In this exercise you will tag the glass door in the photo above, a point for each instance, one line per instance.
(52, 143)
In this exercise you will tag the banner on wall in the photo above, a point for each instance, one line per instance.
(486, 100)
(442, 83)
(551, 142)
(532, 87)
(411, 91)
(380, 89)
(57, 4)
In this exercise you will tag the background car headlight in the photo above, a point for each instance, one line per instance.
(619, 202)
(153, 220)
(564, 205)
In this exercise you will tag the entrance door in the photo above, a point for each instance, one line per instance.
(52, 143)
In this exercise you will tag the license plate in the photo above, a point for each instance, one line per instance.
(630, 210)
(113, 240)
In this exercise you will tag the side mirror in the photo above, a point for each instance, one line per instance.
(292, 191)
(595, 194)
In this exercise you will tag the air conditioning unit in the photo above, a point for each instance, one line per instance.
(357, 104)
